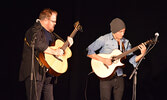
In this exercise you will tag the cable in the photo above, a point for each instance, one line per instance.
(87, 84)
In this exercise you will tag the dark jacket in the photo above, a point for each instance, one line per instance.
(40, 46)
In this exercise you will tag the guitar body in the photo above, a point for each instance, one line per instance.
(102, 70)
(56, 65)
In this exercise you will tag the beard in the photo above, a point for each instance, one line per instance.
(51, 29)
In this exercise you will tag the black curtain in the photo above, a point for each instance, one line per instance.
(142, 19)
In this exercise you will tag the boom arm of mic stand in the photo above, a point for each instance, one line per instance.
(136, 68)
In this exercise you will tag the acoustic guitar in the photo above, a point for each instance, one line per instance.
(104, 71)
(58, 65)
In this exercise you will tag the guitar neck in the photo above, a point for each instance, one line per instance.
(67, 43)
(127, 52)
(132, 50)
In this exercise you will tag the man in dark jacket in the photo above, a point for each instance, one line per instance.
(42, 32)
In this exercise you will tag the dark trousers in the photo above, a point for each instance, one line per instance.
(44, 87)
(115, 85)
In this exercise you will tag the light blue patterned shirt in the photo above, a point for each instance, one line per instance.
(106, 44)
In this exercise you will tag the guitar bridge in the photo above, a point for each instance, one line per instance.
(106, 66)
(58, 58)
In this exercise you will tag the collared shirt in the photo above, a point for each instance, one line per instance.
(106, 44)
(48, 37)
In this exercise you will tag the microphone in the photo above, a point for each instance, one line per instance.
(156, 37)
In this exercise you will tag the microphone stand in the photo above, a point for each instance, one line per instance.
(33, 70)
(134, 73)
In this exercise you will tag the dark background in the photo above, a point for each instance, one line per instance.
(142, 17)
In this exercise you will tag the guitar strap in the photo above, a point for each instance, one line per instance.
(58, 37)
(123, 49)
(121, 46)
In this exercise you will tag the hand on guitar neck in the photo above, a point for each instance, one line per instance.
(142, 48)
(70, 41)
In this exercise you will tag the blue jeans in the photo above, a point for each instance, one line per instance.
(115, 84)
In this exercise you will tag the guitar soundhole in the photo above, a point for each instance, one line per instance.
(113, 59)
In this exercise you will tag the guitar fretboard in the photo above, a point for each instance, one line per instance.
(67, 43)
(127, 52)
(131, 50)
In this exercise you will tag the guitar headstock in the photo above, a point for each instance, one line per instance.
(151, 41)
(78, 26)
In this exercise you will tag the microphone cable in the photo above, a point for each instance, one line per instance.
(86, 84)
